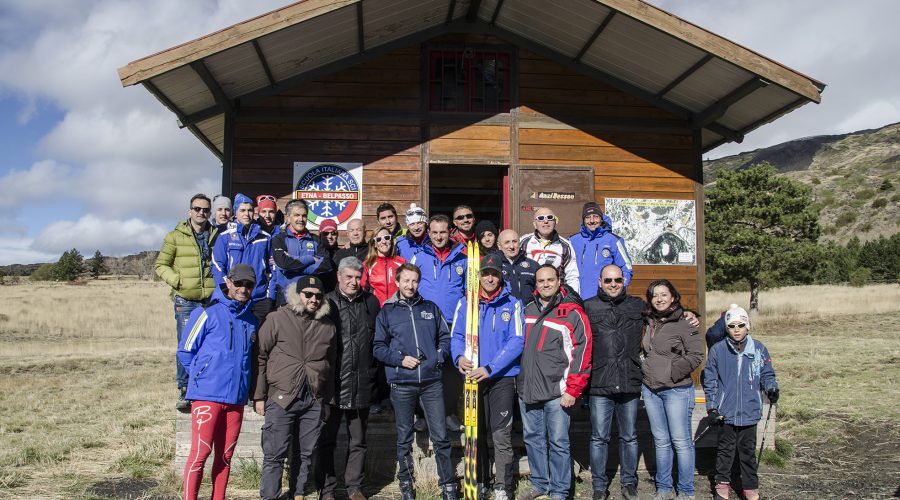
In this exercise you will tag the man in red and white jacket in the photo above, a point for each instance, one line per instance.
(554, 370)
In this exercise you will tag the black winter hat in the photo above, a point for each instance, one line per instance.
(310, 282)
(591, 208)
(484, 226)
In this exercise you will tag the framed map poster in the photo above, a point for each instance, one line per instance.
(656, 232)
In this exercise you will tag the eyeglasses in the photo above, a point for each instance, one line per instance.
(243, 284)
(200, 210)
(379, 239)
(736, 325)
(464, 217)
(265, 197)
(543, 218)
(309, 295)
(607, 281)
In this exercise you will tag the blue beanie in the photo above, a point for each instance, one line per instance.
(240, 199)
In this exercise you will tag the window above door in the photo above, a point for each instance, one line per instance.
(469, 79)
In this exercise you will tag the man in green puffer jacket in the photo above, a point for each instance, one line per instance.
(183, 263)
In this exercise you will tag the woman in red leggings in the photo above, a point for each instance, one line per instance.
(216, 354)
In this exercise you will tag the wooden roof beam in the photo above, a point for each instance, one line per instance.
(496, 13)
(595, 35)
(472, 13)
(731, 135)
(154, 90)
(718, 108)
(450, 11)
(684, 76)
(213, 85)
(263, 62)
(360, 33)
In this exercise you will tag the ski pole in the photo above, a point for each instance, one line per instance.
(765, 429)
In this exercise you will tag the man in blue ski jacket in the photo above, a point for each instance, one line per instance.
(595, 247)
(295, 252)
(500, 342)
(245, 243)
(413, 341)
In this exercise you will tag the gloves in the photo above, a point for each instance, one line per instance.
(773, 395)
(714, 417)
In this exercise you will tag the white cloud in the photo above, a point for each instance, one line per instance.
(43, 180)
(19, 251)
(110, 236)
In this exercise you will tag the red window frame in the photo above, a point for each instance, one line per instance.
(468, 61)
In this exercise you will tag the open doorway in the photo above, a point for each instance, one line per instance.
(482, 187)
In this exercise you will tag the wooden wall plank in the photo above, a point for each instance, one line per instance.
(604, 139)
(663, 195)
(665, 184)
(564, 153)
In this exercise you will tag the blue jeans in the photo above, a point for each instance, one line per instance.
(669, 411)
(431, 397)
(183, 310)
(545, 427)
(625, 408)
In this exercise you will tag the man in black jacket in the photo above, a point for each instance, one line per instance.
(518, 270)
(616, 325)
(353, 312)
(358, 246)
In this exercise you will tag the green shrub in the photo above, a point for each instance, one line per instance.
(43, 273)
(886, 185)
(866, 227)
(845, 219)
(879, 203)
(865, 194)
(860, 277)
(816, 181)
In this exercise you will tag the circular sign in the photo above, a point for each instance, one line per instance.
(330, 191)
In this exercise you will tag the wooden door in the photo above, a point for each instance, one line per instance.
(564, 189)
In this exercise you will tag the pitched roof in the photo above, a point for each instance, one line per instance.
(710, 82)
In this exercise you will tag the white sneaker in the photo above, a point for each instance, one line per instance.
(500, 494)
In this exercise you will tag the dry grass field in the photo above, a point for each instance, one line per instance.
(87, 391)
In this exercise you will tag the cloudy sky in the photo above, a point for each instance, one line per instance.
(88, 164)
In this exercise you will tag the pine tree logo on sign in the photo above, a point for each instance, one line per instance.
(332, 190)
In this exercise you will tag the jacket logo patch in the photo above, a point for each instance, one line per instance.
(309, 245)
(525, 265)
(459, 270)
(427, 315)
(605, 252)
(505, 317)
(504, 413)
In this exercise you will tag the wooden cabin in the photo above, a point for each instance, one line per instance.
(501, 105)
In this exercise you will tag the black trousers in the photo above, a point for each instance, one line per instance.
(740, 441)
(497, 397)
(355, 423)
(453, 383)
(290, 432)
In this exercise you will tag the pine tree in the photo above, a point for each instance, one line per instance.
(69, 267)
(760, 228)
(96, 266)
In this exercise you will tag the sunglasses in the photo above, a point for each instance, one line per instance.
(265, 197)
(543, 218)
(309, 295)
(379, 239)
(243, 284)
(736, 325)
(464, 217)
(200, 210)
(415, 211)
(610, 280)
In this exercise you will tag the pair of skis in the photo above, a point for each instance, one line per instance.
(470, 417)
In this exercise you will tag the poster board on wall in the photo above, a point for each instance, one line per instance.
(332, 191)
(656, 232)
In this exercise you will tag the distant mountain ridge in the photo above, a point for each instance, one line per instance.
(140, 265)
(854, 178)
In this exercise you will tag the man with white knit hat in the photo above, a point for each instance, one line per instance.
(416, 235)
(736, 371)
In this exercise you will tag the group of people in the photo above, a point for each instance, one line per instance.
(314, 335)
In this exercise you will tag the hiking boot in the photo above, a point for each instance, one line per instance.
(682, 496)
(420, 425)
(326, 496)
(629, 492)
(449, 492)
(664, 495)
(601, 495)
(454, 425)
(183, 405)
(407, 492)
(530, 494)
(500, 494)
(751, 494)
(722, 491)
(357, 494)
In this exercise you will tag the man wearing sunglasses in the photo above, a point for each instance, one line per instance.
(463, 225)
(294, 383)
(546, 246)
(412, 340)
(416, 237)
(183, 263)
(245, 243)
(596, 246)
(615, 387)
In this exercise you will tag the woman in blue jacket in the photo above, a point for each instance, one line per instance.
(216, 354)
(736, 371)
